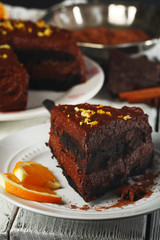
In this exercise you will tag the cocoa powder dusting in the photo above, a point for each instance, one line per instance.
(110, 36)
(73, 206)
(128, 193)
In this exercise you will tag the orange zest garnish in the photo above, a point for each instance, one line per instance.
(34, 174)
(4, 14)
(12, 185)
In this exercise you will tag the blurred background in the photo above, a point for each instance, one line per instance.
(48, 3)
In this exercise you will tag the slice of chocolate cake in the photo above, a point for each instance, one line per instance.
(126, 73)
(13, 81)
(99, 147)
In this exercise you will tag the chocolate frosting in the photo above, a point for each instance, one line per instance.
(13, 81)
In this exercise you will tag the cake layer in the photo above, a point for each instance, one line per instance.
(59, 76)
(14, 81)
(100, 147)
(107, 154)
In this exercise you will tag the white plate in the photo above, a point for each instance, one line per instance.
(77, 94)
(30, 145)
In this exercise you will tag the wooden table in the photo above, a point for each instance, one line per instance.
(20, 224)
(17, 223)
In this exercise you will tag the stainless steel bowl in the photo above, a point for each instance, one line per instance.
(115, 14)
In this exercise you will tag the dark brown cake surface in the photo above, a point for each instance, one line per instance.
(99, 147)
(127, 73)
(14, 81)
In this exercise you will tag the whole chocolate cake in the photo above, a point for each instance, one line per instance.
(14, 81)
(49, 54)
(99, 147)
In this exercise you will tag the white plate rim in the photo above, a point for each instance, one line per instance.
(151, 204)
(94, 83)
